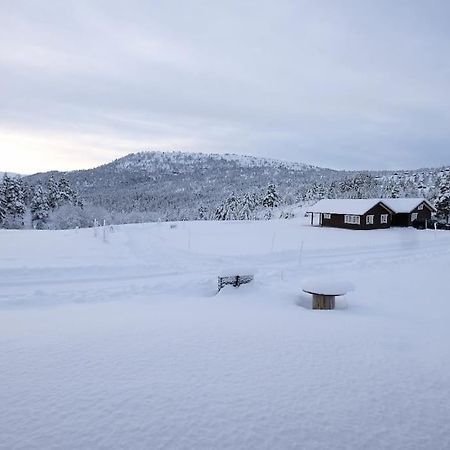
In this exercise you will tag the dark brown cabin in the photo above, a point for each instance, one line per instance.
(353, 214)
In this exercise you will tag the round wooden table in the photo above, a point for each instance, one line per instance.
(325, 292)
(323, 301)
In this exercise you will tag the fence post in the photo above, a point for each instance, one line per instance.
(301, 253)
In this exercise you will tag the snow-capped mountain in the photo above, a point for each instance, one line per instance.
(180, 186)
(176, 185)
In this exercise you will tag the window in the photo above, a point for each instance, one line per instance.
(352, 219)
(420, 207)
(327, 216)
(414, 217)
(384, 218)
(369, 220)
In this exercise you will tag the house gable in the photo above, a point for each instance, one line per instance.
(407, 205)
(424, 205)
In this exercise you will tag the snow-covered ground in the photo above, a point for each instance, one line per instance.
(125, 343)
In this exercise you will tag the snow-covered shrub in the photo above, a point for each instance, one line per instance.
(287, 215)
(69, 216)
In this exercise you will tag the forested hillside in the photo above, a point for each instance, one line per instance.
(181, 186)
(156, 186)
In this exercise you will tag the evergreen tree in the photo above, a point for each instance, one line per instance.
(395, 190)
(2, 205)
(271, 198)
(40, 208)
(66, 193)
(228, 210)
(231, 207)
(332, 188)
(19, 207)
(13, 193)
(53, 194)
(202, 213)
(321, 192)
(219, 213)
(246, 208)
(443, 200)
(77, 200)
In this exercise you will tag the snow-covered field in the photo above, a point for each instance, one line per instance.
(125, 344)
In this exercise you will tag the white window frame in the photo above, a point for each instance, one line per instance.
(352, 219)
(414, 217)
(327, 216)
(420, 207)
(384, 218)
(369, 219)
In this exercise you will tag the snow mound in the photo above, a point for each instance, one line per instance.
(233, 271)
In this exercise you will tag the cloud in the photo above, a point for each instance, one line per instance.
(347, 86)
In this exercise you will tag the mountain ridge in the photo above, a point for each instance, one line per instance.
(175, 185)
(245, 160)
(180, 185)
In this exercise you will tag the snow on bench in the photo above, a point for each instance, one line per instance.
(325, 291)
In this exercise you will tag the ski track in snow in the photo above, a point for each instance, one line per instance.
(126, 344)
(173, 269)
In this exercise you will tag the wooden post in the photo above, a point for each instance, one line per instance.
(273, 243)
(301, 253)
(104, 231)
(323, 301)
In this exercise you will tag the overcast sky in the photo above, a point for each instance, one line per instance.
(342, 84)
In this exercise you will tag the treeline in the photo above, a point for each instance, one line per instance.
(154, 186)
(39, 206)
(157, 187)
(434, 186)
(272, 205)
(251, 206)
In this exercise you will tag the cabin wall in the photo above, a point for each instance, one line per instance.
(422, 214)
(337, 220)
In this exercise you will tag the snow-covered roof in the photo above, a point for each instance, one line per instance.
(405, 205)
(357, 206)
